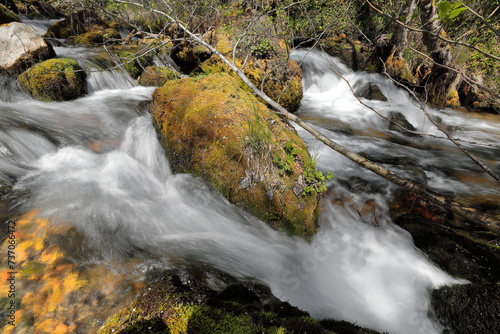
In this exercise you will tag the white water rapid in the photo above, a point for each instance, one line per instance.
(96, 163)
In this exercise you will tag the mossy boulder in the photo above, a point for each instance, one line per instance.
(95, 37)
(7, 16)
(157, 76)
(134, 63)
(189, 303)
(21, 46)
(58, 79)
(214, 129)
(77, 23)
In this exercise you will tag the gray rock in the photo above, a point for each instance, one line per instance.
(371, 91)
(21, 46)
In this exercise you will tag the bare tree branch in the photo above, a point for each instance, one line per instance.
(434, 35)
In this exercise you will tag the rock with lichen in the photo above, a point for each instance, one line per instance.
(21, 46)
(58, 79)
(214, 129)
(53, 293)
(157, 76)
(96, 37)
(76, 24)
(134, 63)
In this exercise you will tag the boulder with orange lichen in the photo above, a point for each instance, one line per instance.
(51, 293)
(214, 129)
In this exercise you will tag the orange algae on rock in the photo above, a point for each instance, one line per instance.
(52, 293)
(214, 129)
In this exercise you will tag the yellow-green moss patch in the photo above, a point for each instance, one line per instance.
(59, 79)
(157, 76)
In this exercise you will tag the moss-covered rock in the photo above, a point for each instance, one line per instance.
(76, 24)
(96, 37)
(134, 63)
(214, 129)
(157, 76)
(280, 79)
(7, 16)
(58, 79)
(188, 303)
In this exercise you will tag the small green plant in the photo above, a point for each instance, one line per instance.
(449, 11)
(284, 162)
(315, 179)
(263, 49)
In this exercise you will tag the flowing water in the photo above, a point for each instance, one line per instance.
(96, 163)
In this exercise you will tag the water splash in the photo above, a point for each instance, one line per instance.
(126, 202)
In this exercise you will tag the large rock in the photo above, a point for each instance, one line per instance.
(58, 79)
(208, 302)
(77, 23)
(214, 129)
(21, 46)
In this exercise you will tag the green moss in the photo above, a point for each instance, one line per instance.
(134, 63)
(157, 76)
(170, 305)
(58, 79)
(97, 37)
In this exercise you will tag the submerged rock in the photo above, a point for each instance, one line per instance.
(371, 91)
(214, 129)
(21, 46)
(465, 253)
(59, 79)
(53, 293)
(399, 123)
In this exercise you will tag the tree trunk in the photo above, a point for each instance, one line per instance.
(396, 65)
(441, 79)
